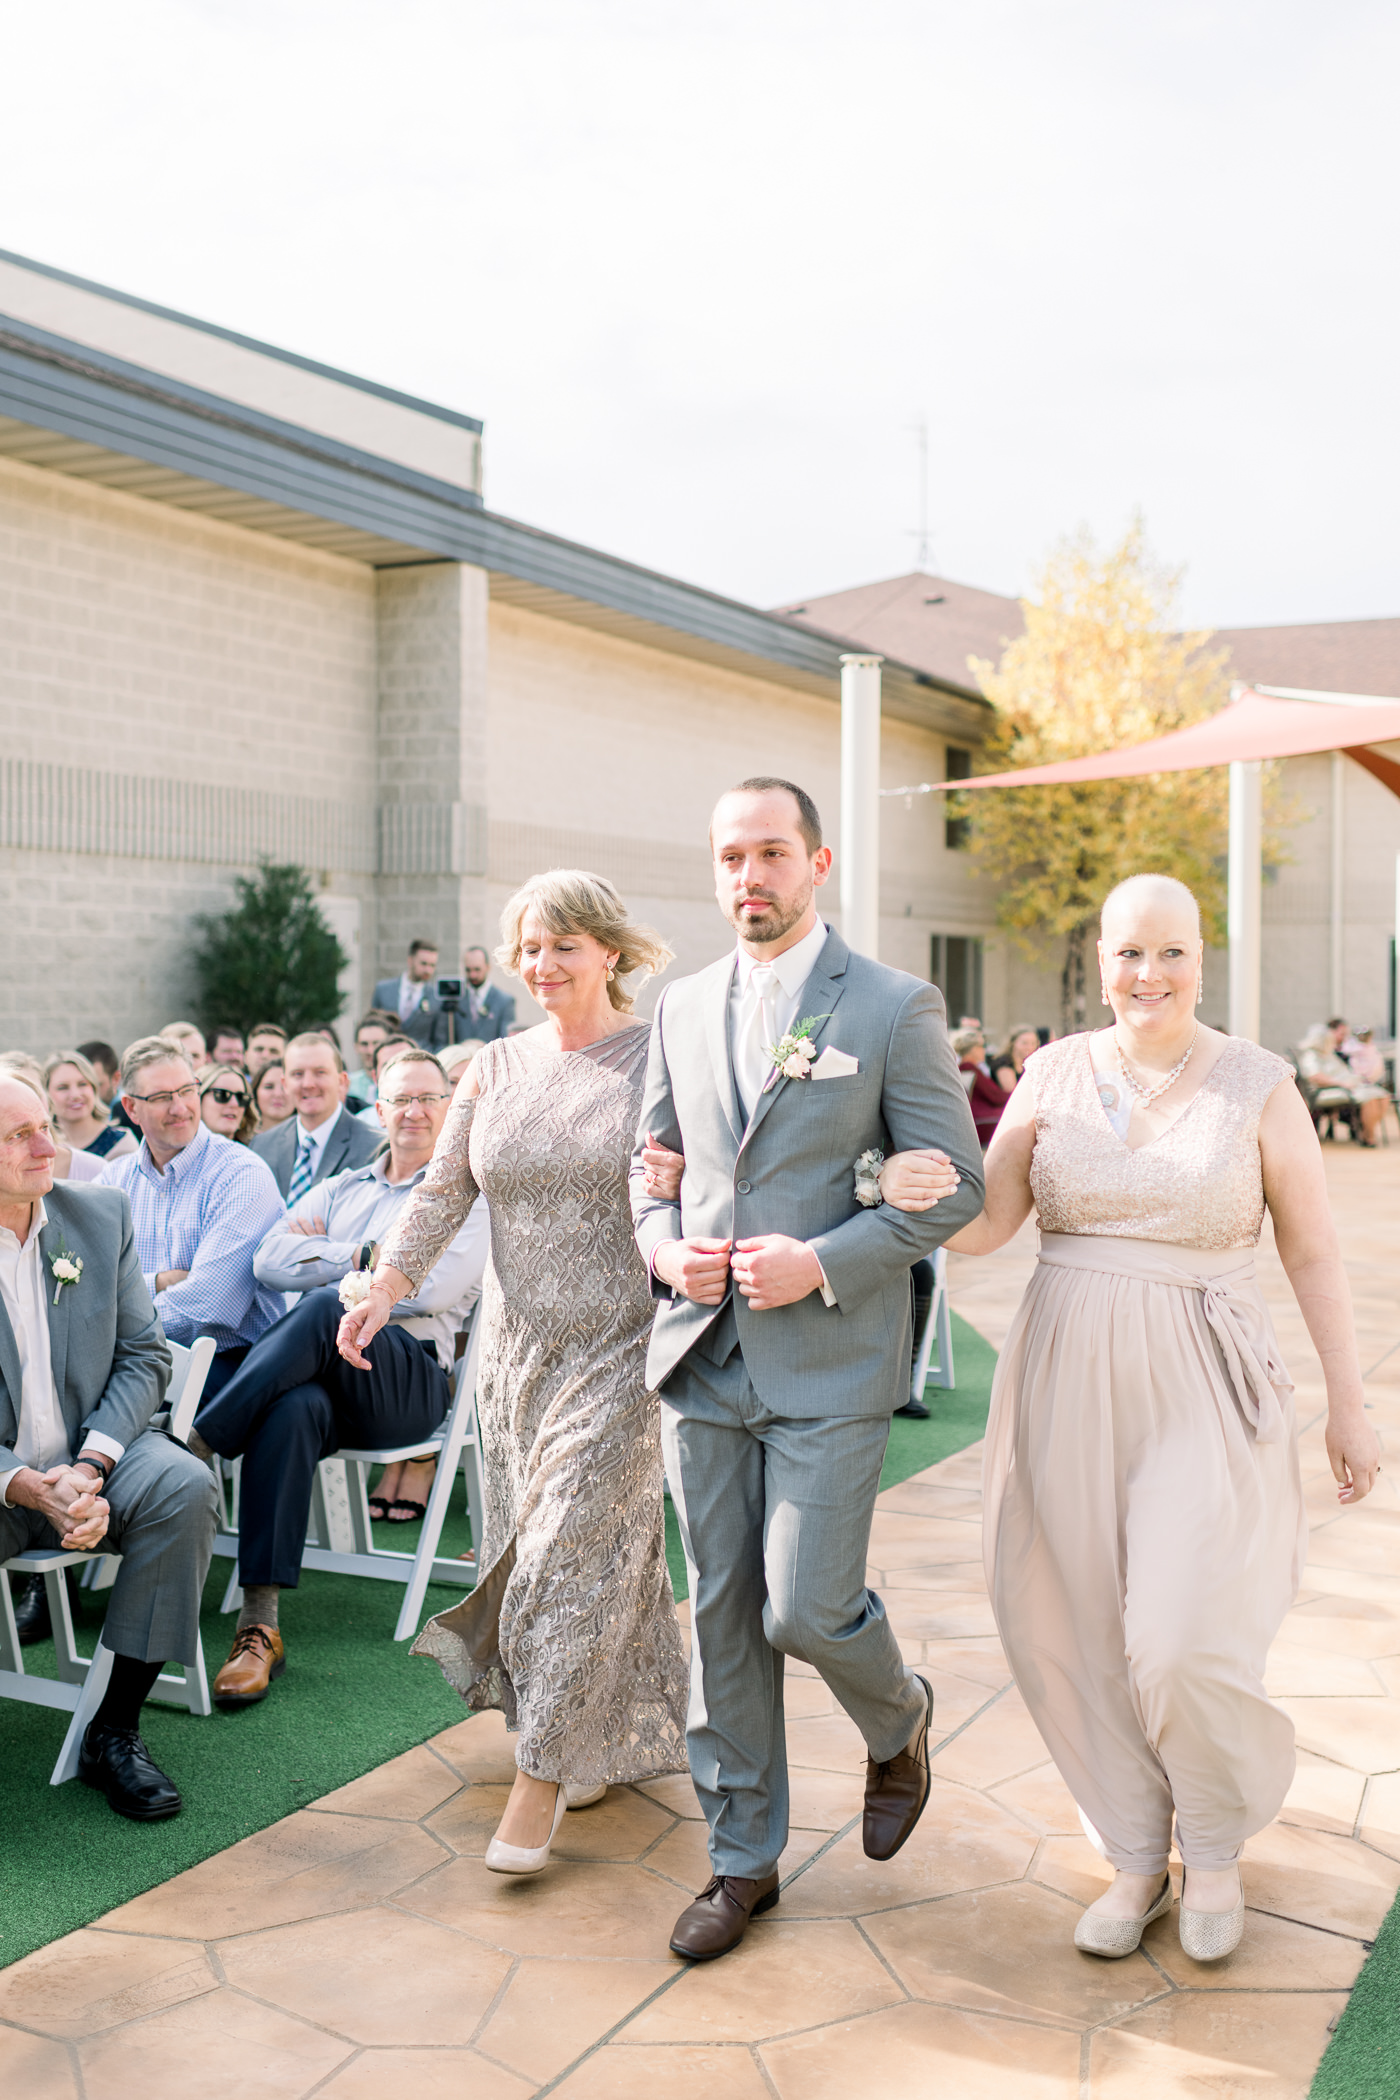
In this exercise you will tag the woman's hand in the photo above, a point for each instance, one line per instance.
(363, 1321)
(918, 1180)
(1354, 1451)
(663, 1170)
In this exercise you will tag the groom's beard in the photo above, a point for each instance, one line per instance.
(779, 918)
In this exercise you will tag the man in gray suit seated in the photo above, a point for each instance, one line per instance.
(324, 1137)
(83, 1369)
(413, 997)
(781, 1343)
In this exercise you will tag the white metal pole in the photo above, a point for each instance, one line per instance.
(1334, 983)
(860, 803)
(1246, 895)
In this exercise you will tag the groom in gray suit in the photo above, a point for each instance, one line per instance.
(782, 1340)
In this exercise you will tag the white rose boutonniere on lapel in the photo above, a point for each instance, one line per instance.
(67, 1268)
(794, 1053)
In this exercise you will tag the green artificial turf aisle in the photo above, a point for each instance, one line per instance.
(1363, 2057)
(351, 1699)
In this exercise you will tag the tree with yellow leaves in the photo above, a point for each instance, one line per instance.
(1101, 665)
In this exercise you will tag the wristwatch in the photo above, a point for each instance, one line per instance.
(103, 1468)
(368, 1255)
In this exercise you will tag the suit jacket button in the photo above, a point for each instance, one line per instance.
(743, 1187)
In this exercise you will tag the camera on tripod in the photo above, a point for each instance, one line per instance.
(449, 991)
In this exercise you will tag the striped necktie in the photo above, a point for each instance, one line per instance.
(301, 1172)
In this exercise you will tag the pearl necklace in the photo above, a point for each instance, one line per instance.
(1146, 1095)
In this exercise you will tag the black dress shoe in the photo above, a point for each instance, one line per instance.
(118, 1764)
(913, 1411)
(32, 1612)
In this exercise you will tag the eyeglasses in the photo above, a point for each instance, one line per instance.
(179, 1093)
(412, 1100)
(224, 1095)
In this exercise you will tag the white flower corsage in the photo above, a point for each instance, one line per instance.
(354, 1288)
(794, 1053)
(868, 1192)
(67, 1268)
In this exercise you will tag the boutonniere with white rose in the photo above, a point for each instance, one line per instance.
(67, 1268)
(794, 1053)
(868, 1191)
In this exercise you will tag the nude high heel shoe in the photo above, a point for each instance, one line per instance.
(583, 1796)
(1209, 1935)
(526, 1859)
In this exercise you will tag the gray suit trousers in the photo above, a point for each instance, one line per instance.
(162, 1504)
(775, 1516)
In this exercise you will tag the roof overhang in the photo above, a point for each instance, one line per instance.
(73, 410)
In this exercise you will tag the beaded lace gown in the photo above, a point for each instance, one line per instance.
(1144, 1528)
(571, 1630)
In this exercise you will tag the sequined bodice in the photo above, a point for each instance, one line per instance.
(1199, 1184)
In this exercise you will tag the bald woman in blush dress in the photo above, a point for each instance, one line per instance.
(1144, 1525)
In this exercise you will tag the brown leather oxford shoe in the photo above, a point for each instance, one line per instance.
(719, 1917)
(255, 1658)
(897, 1791)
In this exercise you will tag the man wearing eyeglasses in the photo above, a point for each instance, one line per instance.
(296, 1401)
(199, 1209)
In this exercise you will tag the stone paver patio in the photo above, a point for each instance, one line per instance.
(360, 1949)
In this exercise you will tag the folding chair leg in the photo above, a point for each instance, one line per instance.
(233, 1595)
(89, 1699)
(11, 1654)
(188, 1686)
(72, 1667)
(438, 1497)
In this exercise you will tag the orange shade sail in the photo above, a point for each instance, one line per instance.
(1251, 727)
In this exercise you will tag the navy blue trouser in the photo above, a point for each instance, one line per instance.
(294, 1401)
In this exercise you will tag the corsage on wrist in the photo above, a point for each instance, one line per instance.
(868, 1191)
(355, 1288)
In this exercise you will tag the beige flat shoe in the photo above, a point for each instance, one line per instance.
(1112, 1938)
(1209, 1935)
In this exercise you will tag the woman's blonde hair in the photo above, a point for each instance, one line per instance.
(570, 900)
(82, 1066)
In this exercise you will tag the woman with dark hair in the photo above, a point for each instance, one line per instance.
(1010, 1062)
(271, 1100)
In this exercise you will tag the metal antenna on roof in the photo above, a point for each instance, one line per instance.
(919, 431)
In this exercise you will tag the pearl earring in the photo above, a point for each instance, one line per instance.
(611, 973)
(1103, 993)
(1200, 990)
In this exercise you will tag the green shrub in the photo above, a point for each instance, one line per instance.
(272, 958)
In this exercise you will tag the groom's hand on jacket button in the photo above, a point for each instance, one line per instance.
(697, 1269)
(775, 1270)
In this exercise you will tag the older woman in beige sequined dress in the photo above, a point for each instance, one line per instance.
(571, 1630)
(1144, 1517)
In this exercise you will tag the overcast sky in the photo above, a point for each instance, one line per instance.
(703, 267)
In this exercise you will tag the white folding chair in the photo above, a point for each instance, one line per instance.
(81, 1683)
(938, 1329)
(344, 1541)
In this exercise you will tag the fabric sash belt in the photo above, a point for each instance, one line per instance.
(1234, 1309)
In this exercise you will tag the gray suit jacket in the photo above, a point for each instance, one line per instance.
(427, 1024)
(498, 1014)
(792, 1170)
(351, 1144)
(111, 1365)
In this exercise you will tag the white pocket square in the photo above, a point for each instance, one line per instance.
(835, 1064)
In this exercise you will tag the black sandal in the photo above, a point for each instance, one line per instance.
(416, 1511)
(378, 1508)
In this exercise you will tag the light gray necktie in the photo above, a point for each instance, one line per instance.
(757, 1033)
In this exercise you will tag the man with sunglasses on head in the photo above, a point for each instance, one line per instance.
(296, 1401)
(200, 1207)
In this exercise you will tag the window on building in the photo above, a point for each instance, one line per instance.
(955, 966)
(957, 830)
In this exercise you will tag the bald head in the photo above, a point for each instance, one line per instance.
(1151, 897)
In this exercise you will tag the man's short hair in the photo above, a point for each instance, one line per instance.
(389, 1043)
(221, 1028)
(377, 1017)
(422, 948)
(419, 1056)
(475, 948)
(315, 1039)
(809, 821)
(267, 1028)
(101, 1054)
(151, 1050)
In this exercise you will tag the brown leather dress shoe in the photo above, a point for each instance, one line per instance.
(719, 1917)
(896, 1792)
(255, 1658)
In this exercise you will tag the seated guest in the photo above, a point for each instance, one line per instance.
(1362, 1053)
(391, 1049)
(1322, 1065)
(68, 1164)
(190, 1040)
(226, 1103)
(1010, 1063)
(457, 1056)
(296, 1401)
(375, 1028)
(226, 1045)
(266, 1044)
(107, 1065)
(270, 1097)
(987, 1098)
(83, 1369)
(322, 1138)
(199, 1209)
(79, 1109)
(488, 1012)
(412, 998)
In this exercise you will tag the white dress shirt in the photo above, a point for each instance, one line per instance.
(42, 1438)
(411, 994)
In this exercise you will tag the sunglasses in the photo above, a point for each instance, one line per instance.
(226, 1096)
